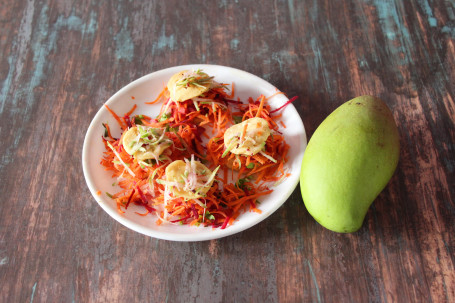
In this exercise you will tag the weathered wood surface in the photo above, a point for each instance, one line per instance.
(59, 61)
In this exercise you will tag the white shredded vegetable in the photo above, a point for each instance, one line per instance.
(121, 161)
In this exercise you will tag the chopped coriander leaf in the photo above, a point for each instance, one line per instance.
(173, 129)
(138, 120)
(208, 215)
(163, 117)
(250, 166)
(241, 183)
(109, 195)
(237, 119)
(106, 133)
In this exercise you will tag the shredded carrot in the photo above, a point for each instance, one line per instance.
(108, 129)
(144, 214)
(261, 105)
(119, 209)
(259, 159)
(257, 210)
(120, 122)
(271, 96)
(232, 91)
(186, 124)
(131, 110)
(159, 97)
(243, 132)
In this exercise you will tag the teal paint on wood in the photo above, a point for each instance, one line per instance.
(234, 44)
(43, 40)
(4, 261)
(124, 47)
(319, 64)
(448, 30)
(92, 25)
(164, 42)
(7, 83)
(33, 293)
(21, 43)
(40, 50)
(23, 38)
(428, 11)
(315, 282)
(291, 8)
(391, 20)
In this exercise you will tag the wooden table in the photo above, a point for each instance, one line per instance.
(60, 61)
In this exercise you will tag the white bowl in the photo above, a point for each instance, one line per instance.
(147, 89)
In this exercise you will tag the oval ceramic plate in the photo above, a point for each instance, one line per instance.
(147, 89)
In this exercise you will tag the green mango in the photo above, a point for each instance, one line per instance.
(349, 160)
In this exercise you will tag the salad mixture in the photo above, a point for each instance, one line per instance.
(205, 159)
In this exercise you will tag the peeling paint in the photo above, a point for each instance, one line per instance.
(92, 26)
(313, 277)
(388, 12)
(234, 44)
(33, 293)
(390, 19)
(319, 63)
(393, 27)
(314, 10)
(43, 40)
(428, 11)
(6, 84)
(284, 59)
(124, 46)
(21, 44)
(25, 32)
(448, 30)
(164, 42)
(291, 11)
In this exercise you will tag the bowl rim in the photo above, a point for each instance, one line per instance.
(186, 237)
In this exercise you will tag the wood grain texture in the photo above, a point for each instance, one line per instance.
(59, 62)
